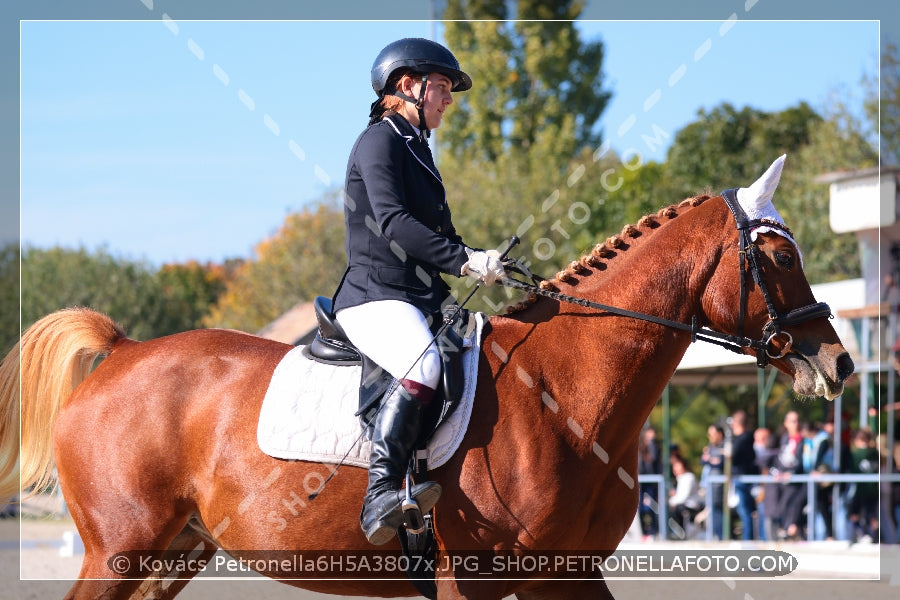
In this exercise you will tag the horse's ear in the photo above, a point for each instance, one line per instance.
(757, 199)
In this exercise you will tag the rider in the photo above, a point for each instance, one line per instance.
(399, 239)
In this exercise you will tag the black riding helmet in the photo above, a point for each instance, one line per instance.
(421, 56)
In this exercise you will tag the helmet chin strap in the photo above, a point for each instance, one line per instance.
(420, 105)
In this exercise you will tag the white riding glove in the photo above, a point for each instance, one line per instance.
(484, 266)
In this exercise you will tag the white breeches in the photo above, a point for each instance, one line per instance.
(394, 334)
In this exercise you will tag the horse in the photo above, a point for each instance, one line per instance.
(156, 448)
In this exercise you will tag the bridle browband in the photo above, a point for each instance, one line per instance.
(749, 255)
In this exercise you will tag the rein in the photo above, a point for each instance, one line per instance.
(749, 255)
(731, 342)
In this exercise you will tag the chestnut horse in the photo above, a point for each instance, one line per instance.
(156, 448)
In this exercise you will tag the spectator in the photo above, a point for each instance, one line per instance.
(713, 461)
(889, 523)
(765, 447)
(863, 495)
(685, 501)
(817, 458)
(674, 454)
(788, 461)
(649, 463)
(838, 457)
(895, 489)
(743, 462)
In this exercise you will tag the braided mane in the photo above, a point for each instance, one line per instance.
(605, 251)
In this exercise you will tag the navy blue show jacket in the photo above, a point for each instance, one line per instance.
(400, 237)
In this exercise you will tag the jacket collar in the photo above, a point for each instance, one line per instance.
(403, 127)
(419, 149)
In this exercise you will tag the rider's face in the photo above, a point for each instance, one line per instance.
(437, 99)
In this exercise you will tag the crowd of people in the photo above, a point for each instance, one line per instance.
(776, 508)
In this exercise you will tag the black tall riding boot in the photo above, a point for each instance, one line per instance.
(395, 432)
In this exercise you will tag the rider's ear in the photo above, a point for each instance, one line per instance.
(407, 84)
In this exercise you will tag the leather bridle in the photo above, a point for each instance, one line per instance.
(749, 260)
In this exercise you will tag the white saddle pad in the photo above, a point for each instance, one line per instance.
(308, 411)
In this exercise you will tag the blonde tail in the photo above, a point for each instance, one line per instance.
(36, 377)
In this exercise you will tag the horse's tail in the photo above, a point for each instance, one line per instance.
(36, 377)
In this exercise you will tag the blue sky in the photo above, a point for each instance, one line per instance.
(174, 140)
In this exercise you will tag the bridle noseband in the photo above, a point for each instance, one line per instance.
(749, 255)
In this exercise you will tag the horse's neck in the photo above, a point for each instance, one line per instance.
(608, 371)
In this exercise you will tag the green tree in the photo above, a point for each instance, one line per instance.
(889, 95)
(536, 81)
(57, 278)
(9, 296)
(186, 293)
(148, 302)
(804, 202)
(304, 259)
(514, 147)
(729, 147)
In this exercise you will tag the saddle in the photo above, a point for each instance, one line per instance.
(331, 346)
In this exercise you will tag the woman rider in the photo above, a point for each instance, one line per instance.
(399, 240)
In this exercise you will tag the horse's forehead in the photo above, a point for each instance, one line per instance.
(775, 237)
(781, 237)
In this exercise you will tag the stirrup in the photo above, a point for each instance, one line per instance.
(412, 514)
(379, 529)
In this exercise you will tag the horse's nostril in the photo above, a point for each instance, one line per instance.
(844, 367)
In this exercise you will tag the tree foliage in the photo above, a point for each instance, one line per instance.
(728, 147)
(303, 259)
(57, 278)
(535, 81)
(512, 147)
(187, 292)
(9, 296)
(149, 303)
(889, 95)
(731, 147)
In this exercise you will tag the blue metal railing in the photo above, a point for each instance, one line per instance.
(809, 479)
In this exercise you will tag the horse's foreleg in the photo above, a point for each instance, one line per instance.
(196, 549)
(162, 584)
(119, 555)
(101, 589)
(94, 581)
(450, 588)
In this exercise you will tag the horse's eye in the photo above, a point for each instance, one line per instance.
(784, 259)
